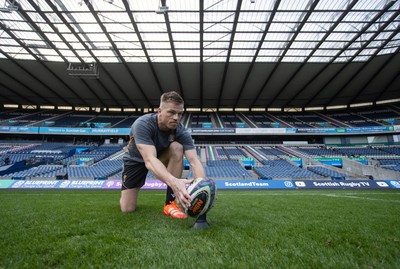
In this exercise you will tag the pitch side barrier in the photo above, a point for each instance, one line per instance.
(202, 131)
(153, 184)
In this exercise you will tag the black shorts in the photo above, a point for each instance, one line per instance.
(133, 175)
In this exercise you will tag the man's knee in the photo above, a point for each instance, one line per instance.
(127, 205)
(176, 149)
(127, 208)
(128, 200)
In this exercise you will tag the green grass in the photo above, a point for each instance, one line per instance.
(249, 229)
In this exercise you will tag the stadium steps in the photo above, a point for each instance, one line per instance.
(369, 119)
(246, 120)
(117, 156)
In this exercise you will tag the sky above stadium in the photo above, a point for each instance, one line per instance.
(113, 31)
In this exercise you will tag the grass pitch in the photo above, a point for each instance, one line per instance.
(249, 229)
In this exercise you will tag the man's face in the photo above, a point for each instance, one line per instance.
(169, 115)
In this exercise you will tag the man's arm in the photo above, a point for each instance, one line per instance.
(195, 164)
(154, 165)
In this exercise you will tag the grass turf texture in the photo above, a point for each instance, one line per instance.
(249, 229)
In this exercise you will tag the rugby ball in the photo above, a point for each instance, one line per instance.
(203, 192)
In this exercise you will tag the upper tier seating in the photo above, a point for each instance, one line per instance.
(261, 120)
(126, 123)
(377, 116)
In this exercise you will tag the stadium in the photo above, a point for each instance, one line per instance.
(293, 107)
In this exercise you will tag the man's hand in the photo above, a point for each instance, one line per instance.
(178, 186)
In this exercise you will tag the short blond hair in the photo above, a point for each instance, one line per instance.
(171, 97)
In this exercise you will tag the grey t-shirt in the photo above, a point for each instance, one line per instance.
(145, 131)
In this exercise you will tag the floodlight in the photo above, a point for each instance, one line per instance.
(83, 70)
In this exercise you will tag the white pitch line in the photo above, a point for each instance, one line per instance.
(358, 197)
(350, 195)
(294, 193)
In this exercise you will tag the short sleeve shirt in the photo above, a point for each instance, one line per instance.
(145, 131)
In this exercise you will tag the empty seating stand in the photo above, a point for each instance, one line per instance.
(282, 169)
(325, 172)
(225, 169)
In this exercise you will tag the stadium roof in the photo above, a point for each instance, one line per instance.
(220, 54)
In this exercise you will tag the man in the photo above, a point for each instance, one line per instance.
(158, 142)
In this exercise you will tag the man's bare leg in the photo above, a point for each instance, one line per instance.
(128, 201)
(173, 160)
